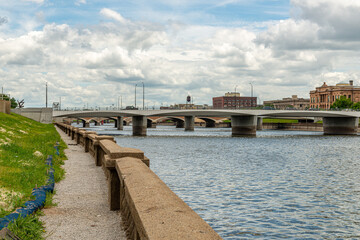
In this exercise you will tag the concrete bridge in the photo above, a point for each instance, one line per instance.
(243, 122)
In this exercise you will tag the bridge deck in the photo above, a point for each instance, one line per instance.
(207, 113)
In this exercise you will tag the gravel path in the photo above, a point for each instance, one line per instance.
(82, 211)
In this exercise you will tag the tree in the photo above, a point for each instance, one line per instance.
(13, 103)
(342, 103)
(356, 106)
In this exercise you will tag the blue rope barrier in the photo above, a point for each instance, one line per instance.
(38, 193)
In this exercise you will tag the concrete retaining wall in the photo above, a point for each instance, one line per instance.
(5, 106)
(150, 210)
(43, 115)
(294, 126)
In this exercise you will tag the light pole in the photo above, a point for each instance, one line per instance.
(46, 103)
(235, 96)
(143, 95)
(135, 94)
(251, 94)
(118, 105)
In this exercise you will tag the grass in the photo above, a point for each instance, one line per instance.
(24, 147)
(28, 228)
(274, 120)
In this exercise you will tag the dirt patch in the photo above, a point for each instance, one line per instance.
(38, 154)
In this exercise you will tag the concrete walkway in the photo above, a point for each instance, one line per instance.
(82, 211)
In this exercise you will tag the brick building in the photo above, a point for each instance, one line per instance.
(233, 100)
(294, 103)
(325, 95)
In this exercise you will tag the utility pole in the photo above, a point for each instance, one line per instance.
(60, 104)
(120, 102)
(46, 95)
(143, 95)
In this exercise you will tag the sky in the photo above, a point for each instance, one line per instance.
(94, 52)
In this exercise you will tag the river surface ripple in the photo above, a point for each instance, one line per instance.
(279, 184)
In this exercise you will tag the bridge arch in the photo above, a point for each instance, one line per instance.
(209, 122)
(179, 121)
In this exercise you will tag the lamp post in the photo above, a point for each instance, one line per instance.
(118, 105)
(251, 94)
(235, 96)
(135, 94)
(143, 95)
(46, 103)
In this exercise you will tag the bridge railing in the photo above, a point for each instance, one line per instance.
(149, 209)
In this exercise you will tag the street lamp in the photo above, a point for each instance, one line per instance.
(251, 94)
(143, 95)
(118, 105)
(235, 96)
(46, 104)
(135, 94)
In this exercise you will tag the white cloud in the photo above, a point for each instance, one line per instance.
(79, 2)
(34, 1)
(113, 15)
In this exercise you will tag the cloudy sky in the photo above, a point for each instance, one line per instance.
(91, 52)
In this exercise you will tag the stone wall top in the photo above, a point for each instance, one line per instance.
(115, 151)
(158, 212)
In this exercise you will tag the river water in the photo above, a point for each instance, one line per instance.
(279, 184)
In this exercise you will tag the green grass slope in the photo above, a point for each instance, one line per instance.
(24, 147)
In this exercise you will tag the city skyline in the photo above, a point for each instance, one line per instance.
(92, 52)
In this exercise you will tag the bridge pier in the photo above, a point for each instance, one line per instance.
(340, 125)
(180, 124)
(85, 124)
(139, 124)
(259, 125)
(189, 123)
(120, 123)
(97, 123)
(210, 124)
(151, 124)
(243, 125)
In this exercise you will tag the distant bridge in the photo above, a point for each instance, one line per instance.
(243, 122)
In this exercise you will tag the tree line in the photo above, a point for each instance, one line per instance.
(345, 103)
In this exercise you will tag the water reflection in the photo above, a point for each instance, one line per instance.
(281, 184)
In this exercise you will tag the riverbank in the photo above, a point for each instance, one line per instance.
(82, 211)
(24, 147)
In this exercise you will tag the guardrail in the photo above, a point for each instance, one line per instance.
(150, 210)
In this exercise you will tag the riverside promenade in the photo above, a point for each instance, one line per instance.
(83, 210)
